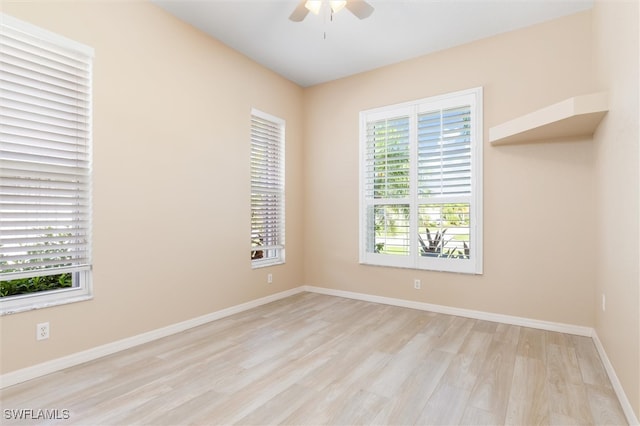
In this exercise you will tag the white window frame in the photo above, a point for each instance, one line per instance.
(273, 252)
(82, 288)
(414, 260)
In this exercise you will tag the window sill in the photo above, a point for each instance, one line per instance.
(15, 308)
(436, 265)
(257, 264)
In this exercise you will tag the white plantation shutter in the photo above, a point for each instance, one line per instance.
(445, 182)
(267, 189)
(421, 184)
(45, 152)
(387, 153)
(444, 152)
(386, 184)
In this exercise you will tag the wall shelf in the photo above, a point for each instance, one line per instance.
(573, 117)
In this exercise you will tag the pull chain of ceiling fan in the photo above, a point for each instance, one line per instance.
(331, 13)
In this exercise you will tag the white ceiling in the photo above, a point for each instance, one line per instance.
(397, 30)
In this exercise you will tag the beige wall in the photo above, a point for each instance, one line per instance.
(171, 178)
(616, 35)
(538, 199)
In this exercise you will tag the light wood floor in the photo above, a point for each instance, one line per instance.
(315, 359)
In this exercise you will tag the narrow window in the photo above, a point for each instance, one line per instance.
(421, 184)
(45, 168)
(267, 189)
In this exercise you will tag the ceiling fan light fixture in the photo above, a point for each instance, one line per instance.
(360, 8)
(337, 6)
(314, 6)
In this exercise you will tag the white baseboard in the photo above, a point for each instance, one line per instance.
(38, 370)
(467, 313)
(615, 382)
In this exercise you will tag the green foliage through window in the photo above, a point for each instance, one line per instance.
(55, 249)
(35, 284)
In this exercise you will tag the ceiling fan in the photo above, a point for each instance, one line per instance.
(360, 8)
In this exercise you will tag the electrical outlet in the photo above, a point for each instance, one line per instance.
(416, 284)
(604, 303)
(269, 278)
(42, 331)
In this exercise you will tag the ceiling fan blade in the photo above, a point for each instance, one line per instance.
(300, 12)
(360, 8)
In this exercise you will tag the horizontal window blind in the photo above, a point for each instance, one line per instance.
(45, 153)
(267, 188)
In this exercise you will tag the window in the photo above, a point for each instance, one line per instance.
(267, 189)
(45, 168)
(421, 184)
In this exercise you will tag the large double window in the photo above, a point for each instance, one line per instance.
(267, 189)
(45, 167)
(421, 184)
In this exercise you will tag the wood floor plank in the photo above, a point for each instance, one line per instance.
(493, 385)
(318, 359)
(331, 400)
(350, 360)
(446, 406)
(605, 407)
(532, 343)
(185, 413)
(570, 400)
(467, 364)
(591, 367)
(359, 408)
(507, 333)
(556, 419)
(562, 364)
(555, 338)
(400, 366)
(475, 416)
(567, 392)
(407, 403)
(243, 401)
(485, 326)
(454, 336)
(281, 406)
(528, 398)
(438, 325)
